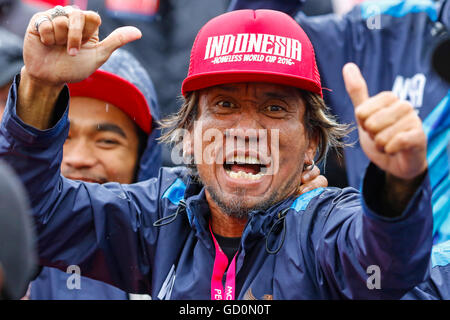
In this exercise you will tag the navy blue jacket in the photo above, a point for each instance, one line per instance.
(332, 236)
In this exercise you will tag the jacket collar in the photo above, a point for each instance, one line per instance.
(198, 212)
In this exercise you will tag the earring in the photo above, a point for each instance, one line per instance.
(309, 167)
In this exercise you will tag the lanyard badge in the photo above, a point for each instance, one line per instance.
(218, 291)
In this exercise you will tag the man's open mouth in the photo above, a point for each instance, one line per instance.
(245, 167)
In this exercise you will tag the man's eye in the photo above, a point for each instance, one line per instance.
(226, 104)
(107, 142)
(274, 108)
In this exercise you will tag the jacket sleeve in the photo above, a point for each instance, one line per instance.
(361, 254)
(98, 228)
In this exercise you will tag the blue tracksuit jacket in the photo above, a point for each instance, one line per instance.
(325, 241)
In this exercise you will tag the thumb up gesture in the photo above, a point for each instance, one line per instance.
(390, 132)
(62, 45)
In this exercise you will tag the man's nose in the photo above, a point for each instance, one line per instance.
(78, 154)
(249, 119)
(247, 128)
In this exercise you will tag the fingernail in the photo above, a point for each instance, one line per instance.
(352, 68)
(73, 51)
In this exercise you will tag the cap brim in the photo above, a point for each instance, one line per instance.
(106, 86)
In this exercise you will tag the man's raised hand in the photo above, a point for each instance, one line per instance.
(61, 50)
(390, 132)
(67, 48)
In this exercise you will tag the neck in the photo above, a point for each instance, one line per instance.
(223, 224)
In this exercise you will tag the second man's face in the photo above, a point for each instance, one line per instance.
(102, 145)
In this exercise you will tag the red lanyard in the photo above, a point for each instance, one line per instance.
(218, 292)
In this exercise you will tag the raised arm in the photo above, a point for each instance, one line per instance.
(378, 245)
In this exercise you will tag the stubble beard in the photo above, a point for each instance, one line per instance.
(237, 206)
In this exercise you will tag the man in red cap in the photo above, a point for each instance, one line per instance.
(110, 122)
(231, 225)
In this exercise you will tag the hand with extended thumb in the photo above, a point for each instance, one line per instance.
(390, 131)
(66, 48)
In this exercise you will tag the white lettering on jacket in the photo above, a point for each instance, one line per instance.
(410, 89)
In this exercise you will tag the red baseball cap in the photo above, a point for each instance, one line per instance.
(107, 86)
(252, 46)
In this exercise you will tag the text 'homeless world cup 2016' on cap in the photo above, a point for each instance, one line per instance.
(252, 46)
(108, 87)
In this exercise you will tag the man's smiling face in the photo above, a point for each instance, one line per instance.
(102, 145)
(235, 181)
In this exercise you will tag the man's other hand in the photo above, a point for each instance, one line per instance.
(390, 131)
(312, 179)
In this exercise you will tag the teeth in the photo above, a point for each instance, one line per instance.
(252, 160)
(244, 160)
(244, 175)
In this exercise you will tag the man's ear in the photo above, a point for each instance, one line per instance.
(311, 150)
